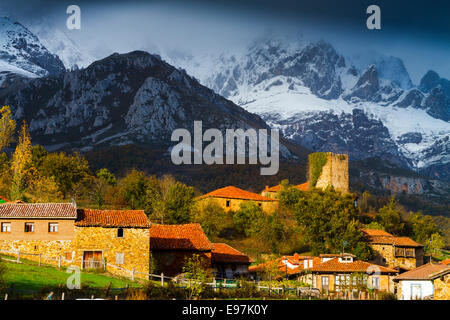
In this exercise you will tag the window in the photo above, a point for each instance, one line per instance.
(375, 282)
(119, 258)
(68, 256)
(120, 233)
(6, 226)
(29, 227)
(342, 280)
(259, 204)
(228, 203)
(53, 227)
(325, 283)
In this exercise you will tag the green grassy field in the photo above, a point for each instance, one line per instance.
(28, 276)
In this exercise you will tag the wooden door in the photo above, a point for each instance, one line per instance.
(92, 259)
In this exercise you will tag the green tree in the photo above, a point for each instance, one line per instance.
(197, 274)
(423, 226)
(106, 176)
(211, 216)
(133, 188)
(389, 217)
(328, 219)
(99, 185)
(178, 203)
(67, 170)
(168, 200)
(435, 244)
(248, 219)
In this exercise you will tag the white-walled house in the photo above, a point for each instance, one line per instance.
(418, 284)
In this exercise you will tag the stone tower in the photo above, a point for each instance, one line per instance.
(329, 169)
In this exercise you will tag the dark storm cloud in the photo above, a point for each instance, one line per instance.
(416, 31)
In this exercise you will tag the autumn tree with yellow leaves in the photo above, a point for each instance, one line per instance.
(7, 127)
(21, 164)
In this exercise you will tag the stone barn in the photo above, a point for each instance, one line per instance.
(172, 245)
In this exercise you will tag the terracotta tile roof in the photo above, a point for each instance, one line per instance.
(382, 237)
(425, 272)
(38, 210)
(112, 218)
(303, 187)
(334, 265)
(179, 237)
(223, 253)
(236, 193)
(446, 262)
(336, 255)
(376, 232)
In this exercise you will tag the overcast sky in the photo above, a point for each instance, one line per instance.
(416, 31)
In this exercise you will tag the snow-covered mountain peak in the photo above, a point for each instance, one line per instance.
(20, 49)
(389, 67)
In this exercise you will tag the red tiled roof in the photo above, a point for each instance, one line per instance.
(38, 210)
(112, 218)
(334, 265)
(303, 187)
(382, 237)
(179, 237)
(425, 272)
(446, 262)
(236, 193)
(376, 232)
(223, 253)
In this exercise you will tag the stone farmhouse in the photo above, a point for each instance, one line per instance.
(82, 237)
(394, 252)
(171, 245)
(430, 281)
(230, 198)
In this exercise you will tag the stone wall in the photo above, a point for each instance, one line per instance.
(30, 249)
(384, 256)
(442, 288)
(335, 173)
(135, 247)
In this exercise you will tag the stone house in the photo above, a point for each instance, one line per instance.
(84, 237)
(45, 228)
(430, 281)
(228, 262)
(395, 252)
(346, 273)
(113, 237)
(172, 245)
(230, 198)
